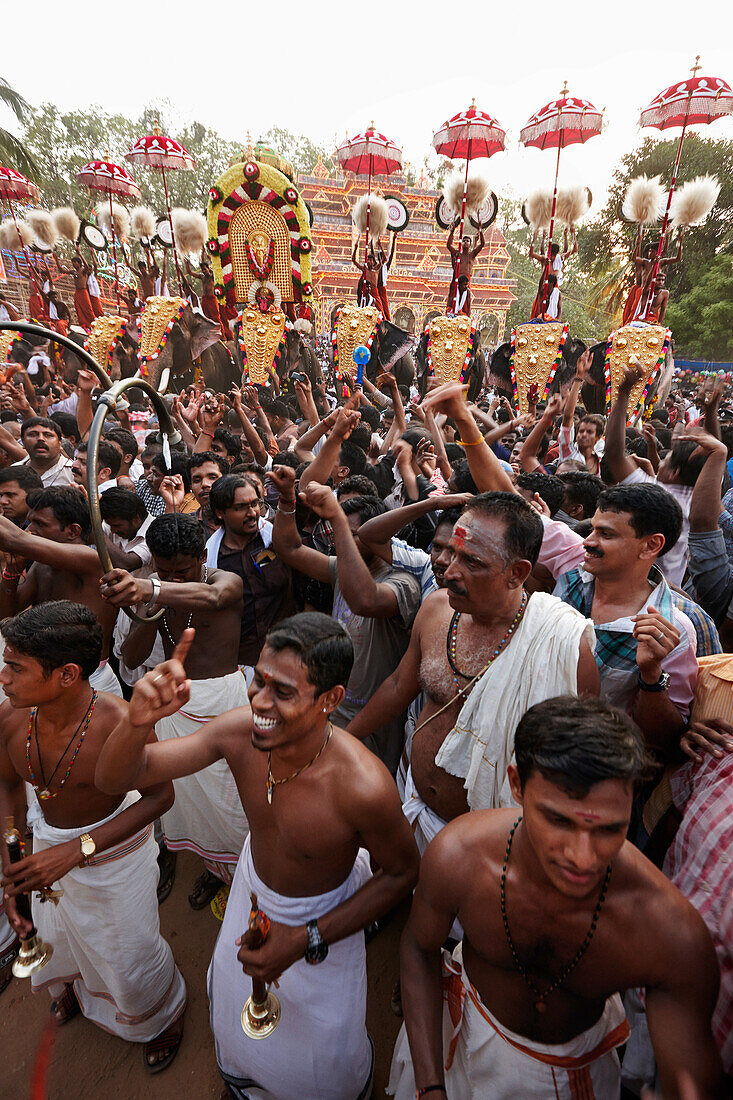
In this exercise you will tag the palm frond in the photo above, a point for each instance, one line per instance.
(13, 154)
(13, 100)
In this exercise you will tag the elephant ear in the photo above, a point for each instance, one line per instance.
(573, 350)
(597, 372)
(500, 374)
(204, 332)
(393, 343)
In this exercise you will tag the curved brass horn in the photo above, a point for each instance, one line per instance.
(106, 402)
(65, 341)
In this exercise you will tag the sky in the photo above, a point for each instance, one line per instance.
(327, 69)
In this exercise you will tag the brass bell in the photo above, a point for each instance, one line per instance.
(463, 326)
(250, 317)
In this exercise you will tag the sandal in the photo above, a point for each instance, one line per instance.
(66, 1007)
(169, 1041)
(167, 864)
(205, 888)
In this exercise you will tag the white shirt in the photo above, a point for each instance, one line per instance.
(58, 474)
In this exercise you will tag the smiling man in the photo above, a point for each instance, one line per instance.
(560, 915)
(315, 800)
(483, 652)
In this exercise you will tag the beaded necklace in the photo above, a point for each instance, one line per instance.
(452, 641)
(566, 971)
(44, 792)
(164, 616)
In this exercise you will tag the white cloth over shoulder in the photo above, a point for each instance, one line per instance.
(106, 936)
(207, 815)
(320, 1050)
(103, 679)
(540, 663)
(484, 1059)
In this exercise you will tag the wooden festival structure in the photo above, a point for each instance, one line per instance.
(421, 271)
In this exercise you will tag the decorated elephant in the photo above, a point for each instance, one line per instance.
(299, 355)
(473, 372)
(500, 373)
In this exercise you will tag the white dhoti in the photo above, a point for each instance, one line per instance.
(426, 825)
(207, 815)
(105, 934)
(485, 1059)
(320, 1049)
(104, 679)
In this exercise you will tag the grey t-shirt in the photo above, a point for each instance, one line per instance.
(379, 645)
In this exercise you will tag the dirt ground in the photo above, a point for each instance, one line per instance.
(89, 1064)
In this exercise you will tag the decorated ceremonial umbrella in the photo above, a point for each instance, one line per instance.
(691, 102)
(160, 152)
(111, 179)
(565, 121)
(14, 187)
(469, 135)
(369, 154)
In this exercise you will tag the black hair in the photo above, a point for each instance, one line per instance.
(198, 458)
(549, 487)
(523, 528)
(126, 440)
(175, 534)
(449, 515)
(68, 424)
(6, 415)
(636, 444)
(352, 456)
(68, 505)
(577, 743)
(360, 437)
(370, 416)
(414, 436)
(322, 644)
(40, 422)
(596, 419)
(178, 465)
(463, 478)
(286, 458)
(231, 442)
(25, 475)
(357, 483)
(653, 511)
(454, 453)
(57, 633)
(280, 409)
(108, 457)
(582, 489)
(684, 460)
(223, 491)
(119, 503)
(366, 507)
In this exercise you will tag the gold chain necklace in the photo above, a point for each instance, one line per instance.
(272, 782)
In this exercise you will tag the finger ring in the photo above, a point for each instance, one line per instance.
(660, 635)
(158, 677)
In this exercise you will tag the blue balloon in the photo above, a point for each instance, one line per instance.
(361, 355)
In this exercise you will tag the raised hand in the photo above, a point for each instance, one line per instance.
(283, 478)
(165, 689)
(449, 398)
(173, 492)
(633, 373)
(86, 380)
(656, 638)
(321, 500)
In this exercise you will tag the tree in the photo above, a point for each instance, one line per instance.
(302, 153)
(702, 320)
(13, 153)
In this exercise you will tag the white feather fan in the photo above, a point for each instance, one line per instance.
(694, 201)
(572, 204)
(377, 215)
(66, 222)
(538, 208)
(189, 230)
(13, 238)
(644, 200)
(120, 219)
(301, 325)
(44, 229)
(477, 190)
(142, 223)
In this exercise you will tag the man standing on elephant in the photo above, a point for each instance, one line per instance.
(209, 304)
(462, 258)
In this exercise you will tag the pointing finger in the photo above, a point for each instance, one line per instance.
(184, 644)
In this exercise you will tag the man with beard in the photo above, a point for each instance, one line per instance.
(482, 652)
(319, 806)
(41, 438)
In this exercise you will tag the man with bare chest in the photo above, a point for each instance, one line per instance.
(560, 915)
(319, 805)
(51, 560)
(207, 816)
(95, 850)
(483, 652)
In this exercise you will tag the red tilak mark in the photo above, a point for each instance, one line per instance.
(587, 816)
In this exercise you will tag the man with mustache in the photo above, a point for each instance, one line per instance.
(41, 438)
(483, 652)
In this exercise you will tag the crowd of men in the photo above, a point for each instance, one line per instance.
(381, 648)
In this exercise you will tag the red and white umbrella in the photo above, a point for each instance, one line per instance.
(369, 154)
(14, 187)
(565, 121)
(469, 135)
(696, 101)
(163, 153)
(111, 179)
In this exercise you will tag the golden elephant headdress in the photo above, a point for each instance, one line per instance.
(536, 354)
(102, 340)
(155, 325)
(450, 342)
(355, 325)
(261, 337)
(648, 344)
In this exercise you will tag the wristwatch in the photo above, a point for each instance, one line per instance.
(661, 684)
(88, 848)
(317, 948)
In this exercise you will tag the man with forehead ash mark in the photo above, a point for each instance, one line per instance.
(483, 652)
